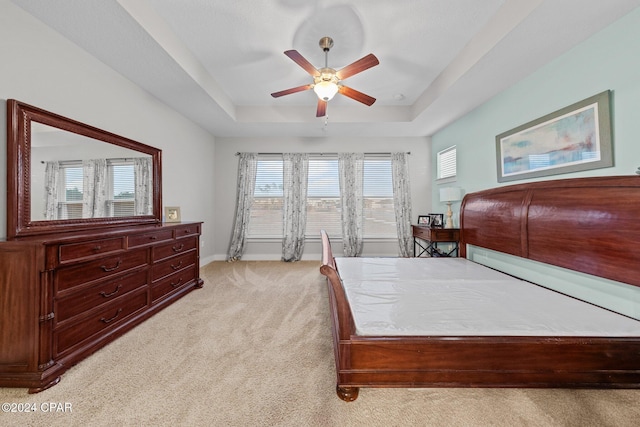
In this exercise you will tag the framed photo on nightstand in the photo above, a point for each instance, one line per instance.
(424, 220)
(436, 220)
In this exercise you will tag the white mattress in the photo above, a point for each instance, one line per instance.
(455, 296)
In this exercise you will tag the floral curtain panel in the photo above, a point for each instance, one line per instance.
(351, 172)
(143, 193)
(295, 172)
(51, 180)
(246, 183)
(96, 186)
(402, 202)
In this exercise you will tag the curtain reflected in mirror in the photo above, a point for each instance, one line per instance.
(76, 177)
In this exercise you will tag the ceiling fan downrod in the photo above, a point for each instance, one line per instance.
(326, 43)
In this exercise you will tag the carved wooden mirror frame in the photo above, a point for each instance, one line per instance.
(19, 221)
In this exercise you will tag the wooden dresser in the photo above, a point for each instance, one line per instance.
(64, 296)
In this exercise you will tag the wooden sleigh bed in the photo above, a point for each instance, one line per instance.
(589, 225)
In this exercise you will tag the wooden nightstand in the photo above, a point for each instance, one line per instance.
(427, 239)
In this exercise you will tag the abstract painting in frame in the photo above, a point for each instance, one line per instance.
(575, 138)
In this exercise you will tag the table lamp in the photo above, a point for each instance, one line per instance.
(449, 195)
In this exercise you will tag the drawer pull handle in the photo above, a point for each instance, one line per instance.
(103, 320)
(107, 269)
(107, 295)
(154, 237)
(178, 283)
(97, 248)
(178, 248)
(175, 267)
(186, 231)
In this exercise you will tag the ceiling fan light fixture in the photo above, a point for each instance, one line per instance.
(325, 90)
(326, 84)
(327, 81)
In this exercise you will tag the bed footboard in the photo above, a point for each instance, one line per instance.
(342, 325)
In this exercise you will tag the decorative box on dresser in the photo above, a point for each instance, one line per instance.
(64, 296)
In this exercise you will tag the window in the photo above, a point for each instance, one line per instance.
(446, 163)
(122, 188)
(379, 213)
(324, 210)
(266, 211)
(323, 198)
(70, 206)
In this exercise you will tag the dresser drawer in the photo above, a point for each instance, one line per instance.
(110, 315)
(137, 240)
(185, 230)
(174, 248)
(172, 265)
(172, 282)
(79, 251)
(102, 293)
(68, 277)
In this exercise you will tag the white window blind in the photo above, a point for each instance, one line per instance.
(446, 163)
(379, 214)
(323, 198)
(70, 205)
(266, 212)
(122, 182)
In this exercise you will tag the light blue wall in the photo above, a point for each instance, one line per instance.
(608, 60)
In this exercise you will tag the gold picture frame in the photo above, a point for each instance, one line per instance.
(172, 214)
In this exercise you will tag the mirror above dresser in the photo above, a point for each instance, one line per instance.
(65, 175)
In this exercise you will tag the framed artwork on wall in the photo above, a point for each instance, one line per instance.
(574, 138)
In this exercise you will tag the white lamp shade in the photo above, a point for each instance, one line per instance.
(450, 194)
(325, 90)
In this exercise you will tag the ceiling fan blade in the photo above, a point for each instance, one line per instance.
(358, 96)
(292, 90)
(360, 65)
(301, 61)
(322, 108)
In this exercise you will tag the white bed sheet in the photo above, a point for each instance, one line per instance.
(455, 296)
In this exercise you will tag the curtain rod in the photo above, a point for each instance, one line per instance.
(114, 159)
(319, 154)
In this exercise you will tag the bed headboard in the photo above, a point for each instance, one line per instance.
(590, 225)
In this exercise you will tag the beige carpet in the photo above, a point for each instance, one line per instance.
(253, 348)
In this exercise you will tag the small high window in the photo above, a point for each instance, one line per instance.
(446, 163)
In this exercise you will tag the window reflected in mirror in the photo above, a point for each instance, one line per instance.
(76, 177)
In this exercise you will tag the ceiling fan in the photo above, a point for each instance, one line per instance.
(327, 81)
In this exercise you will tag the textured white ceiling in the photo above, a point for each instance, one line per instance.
(217, 61)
